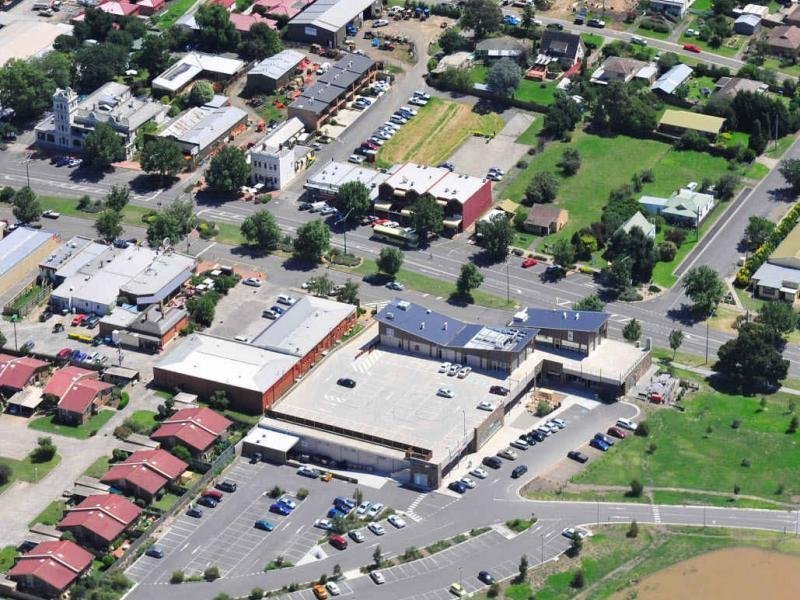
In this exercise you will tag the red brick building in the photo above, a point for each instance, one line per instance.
(99, 520)
(50, 568)
(195, 428)
(16, 372)
(143, 474)
(78, 392)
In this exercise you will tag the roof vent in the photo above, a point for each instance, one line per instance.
(422, 325)
(564, 315)
(390, 316)
(428, 311)
(444, 326)
(403, 305)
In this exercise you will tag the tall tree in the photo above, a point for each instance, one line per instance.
(348, 293)
(56, 66)
(705, 289)
(778, 317)
(25, 88)
(452, 41)
(620, 109)
(163, 157)
(482, 16)
(504, 77)
(202, 91)
(118, 197)
(312, 241)
(229, 169)
(790, 169)
(99, 63)
(590, 303)
(632, 330)
(102, 147)
(563, 253)
(389, 261)
(428, 215)
(675, 341)
(173, 223)
(26, 206)
(109, 224)
(757, 231)
(262, 42)
(261, 229)
(751, 360)
(155, 54)
(353, 201)
(216, 32)
(495, 236)
(636, 246)
(542, 189)
(469, 279)
(562, 116)
(618, 274)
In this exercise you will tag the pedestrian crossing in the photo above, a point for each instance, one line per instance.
(409, 512)
(656, 515)
(365, 363)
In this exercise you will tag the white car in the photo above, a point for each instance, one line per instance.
(416, 101)
(454, 369)
(377, 577)
(399, 120)
(357, 158)
(332, 588)
(560, 423)
(288, 502)
(323, 524)
(574, 532)
(375, 510)
(469, 482)
(444, 367)
(376, 528)
(380, 23)
(422, 94)
(464, 372)
(486, 405)
(396, 521)
(252, 281)
(357, 536)
(552, 426)
(363, 507)
(408, 109)
(479, 472)
(445, 393)
(51, 214)
(626, 424)
(520, 444)
(508, 454)
(376, 140)
(382, 135)
(396, 286)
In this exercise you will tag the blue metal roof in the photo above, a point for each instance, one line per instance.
(560, 319)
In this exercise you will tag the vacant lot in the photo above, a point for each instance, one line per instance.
(539, 92)
(440, 127)
(722, 441)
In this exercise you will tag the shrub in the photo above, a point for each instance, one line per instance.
(522, 164)
(636, 489)
(256, 593)
(736, 488)
(633, 530)
(123, 400)
(177, 577)
(642, 429)
(578, 580)
(653, 289)
(301, 494)
(107, 561)
(676, 235)
(745, 462)
(667, 251)
(275, 492)
(211, 573)
(736, 424)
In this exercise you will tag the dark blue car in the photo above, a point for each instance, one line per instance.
(335, 512)
(599, 444)
(194, 512)
(155, 552)
(207, 501)
(458, 486)
(280, 508)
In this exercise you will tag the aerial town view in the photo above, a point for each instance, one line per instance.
(399, 299)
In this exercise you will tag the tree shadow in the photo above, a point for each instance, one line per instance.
(376, 279)
(297, 264)
(684, 315)
(460, 300)
(88, 174)
(213, 199)
(784, 194)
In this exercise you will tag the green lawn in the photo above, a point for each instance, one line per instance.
(144, 421)
(756, 171)
(775, 64)
(176, 10)
(656, 35)
(98, 468)
(777, 150)
(92, 426)
(229, 234)
(131, 214)
(7, 556)
(696, 84)
(51, 515)
(530, 136)
(710, 461)
(26, 470)
(730, 46)
(593, 39)
(701, 5)
(529, 91)
(167, 501)
(585, 193)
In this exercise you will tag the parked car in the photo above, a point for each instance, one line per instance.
(194, 512)
(376, 528)
(264, 525)
(252, 281)
(458, 487)
(572, 533)
(357, 159)
(692, 48)
(492, 462)
(346, 382)
(486, 405)
(45, 315)
(638, 40)
(604, 438)
(78, 320)
(529, 262)
(445, 392)
(92, 322)
(363, 507)
(598, 23)
(356, 536)
(64, 353)
(616, 432)
(323, 524)
(508, 454)
(486, 577)
(626, 424)
(375, 510)
(499, 390)
(155, 552)
(333, 588)
(397, 521)
(339, 542)
(519, 471)
(207, 501)
(269, 314)
(464, 372)
(599, 445)
(577, 456)
(280, 509)
(377, 577)
(561, 423)
(51, 214)
(307, 471)
(288, 502)
(479, 473)
(458, 590)
(519, 444)
(28, 346)
(227, 486)
(396, 286)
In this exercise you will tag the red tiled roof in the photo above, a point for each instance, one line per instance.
(288, 8)
(105, 515)
(225, 3)
(154, 4)
(196, 428)
(121, 9)
(149, 470)
(57, 563)
(244, 22)
(63, 378)
(81, 394)
(16, 371)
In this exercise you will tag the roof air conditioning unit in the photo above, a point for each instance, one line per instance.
(390, 316)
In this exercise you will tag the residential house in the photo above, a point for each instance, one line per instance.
(78, 392)
(50, 568)
(640, 221)
(502, 47)
(618, 68)
(145, 473)
(17, 372)
(675, 8)
(779, 277)
(562, 47)
(280, 9)
(747, 24)
(544, 219)
(195, 428)
(672, 79)
(677, 122)
(730, 86)
(243, 23)
(99, 519)
(793, 17)
(784, 40)
(686, 207)
(148, 8)
(119, 9)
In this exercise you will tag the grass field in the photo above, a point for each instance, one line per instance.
(529, 91)
(440, 127)
(657, 35)
(25, 470)
(585, 193)
(775, 64)
(144, 420)
(7, 556)
(51, 515)
(756, 171)
(777, 150)
(131, 215)
(98, 468)
(81, 432)
(711, 450)
(530, 136)
(176, 10)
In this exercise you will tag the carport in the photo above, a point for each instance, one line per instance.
(25, 402)
(273, 446)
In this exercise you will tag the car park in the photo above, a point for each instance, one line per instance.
(339, 542)
(508, 454)
(492, 461)
(599, 445)
(227, 486)
(486, 405)
(377, 577)
(346, 382)
(375, 510)
(626, 424)
(486, 577)
(264, 525)
(458, 486)
(155, 552)
(323, 524)
(397, 521)
(252, 281)
(356, 536)
(464, 372)
(307, 471)
(616, 432)
(207, 501)
(194, 512)
(280, 509)
(470, 483)
(363, 507)
(577, 456)
(376, 528)
(519, 471)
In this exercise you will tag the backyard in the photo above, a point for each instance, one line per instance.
(48, 424)
(142, 421)
(433, 135)
(730, 46)
(538, 92)
(98, 468)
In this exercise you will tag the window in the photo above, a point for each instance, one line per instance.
(570, 336)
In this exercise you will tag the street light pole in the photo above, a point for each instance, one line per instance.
(14, 323)
(508, 285)
(343, 221)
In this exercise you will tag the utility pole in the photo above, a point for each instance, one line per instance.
(14, 318)
(344, 228)
(707, 320)
(508, 285)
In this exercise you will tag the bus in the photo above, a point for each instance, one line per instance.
(396, 235)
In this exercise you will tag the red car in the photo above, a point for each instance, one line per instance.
(692, 48)
(529, 262)
(371, 145)
(380, 222)
(64, 353)
(338, 542)
(78, 320)
(616, 432)
(215, 494)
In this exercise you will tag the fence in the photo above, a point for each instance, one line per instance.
(20, 305)
(133, 551)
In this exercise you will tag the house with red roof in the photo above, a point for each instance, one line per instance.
(17, 372)
(50, 568)
(144, 473)
(119, 9)
(78, 392)
(229, 4)
(150, 7)
(243, 23)
(195, 428)
(280, 8)
(99, 520)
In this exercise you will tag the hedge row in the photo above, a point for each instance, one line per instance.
(755, 260)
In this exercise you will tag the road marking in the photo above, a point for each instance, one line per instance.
(656, 515)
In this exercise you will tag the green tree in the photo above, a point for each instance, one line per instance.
(57, 67)
(44, 451)
(751, 360)
(542, 189)
(563, 253)
(256, 594)
(202, 91)
(202, 310)
(618, 273)
(726, 186)
(469, 279)
(25, 88)
(216, 32)
(102, 147)
(590, 303)
(261, 229)
(377, 557)
(320, 286)
(570, 161)
(348, 293)
(452, 41)
(229, 169)
(632, 330)
(155, 54)
(99, 63)
(312, 241)
(636, 246)
(528, 18)
(109, 224)
(636, 489)
(352, 200)
(758, 231)
(173, 223)
(211, 573)
(667, 251)
(562, 116)
(118, 197)
(5, 474)
(704, 288)
(337, 571)
(620, 109)
(163, 157)
(790, 169)
(219, 401)
(504, 77)
(389, 261)
(262, 42)
(428, 215)
(778, 317)
(27, 208)
(522, 569)
(675, 341)
(496, 236)
(181, 452)
(633, 530)
(482, 16)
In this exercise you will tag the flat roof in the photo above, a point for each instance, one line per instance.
(304, 325)
(610, 362)
(420, 178)
(262, 435)
(561, 319)
(65, 252)
(335, 174)
(458, 187)
(25, 38)
(331, 15)
(691, 120)
(20, 243)
(203, 125)
(278, 65)
(227, 362)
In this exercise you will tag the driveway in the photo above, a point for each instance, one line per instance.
(476, 155)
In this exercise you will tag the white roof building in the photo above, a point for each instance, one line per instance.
(191, 66)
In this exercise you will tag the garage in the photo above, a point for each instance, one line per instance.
(273, 446)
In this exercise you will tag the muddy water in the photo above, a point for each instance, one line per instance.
(731, 574)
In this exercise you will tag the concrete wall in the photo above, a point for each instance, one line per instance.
(27, 268)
